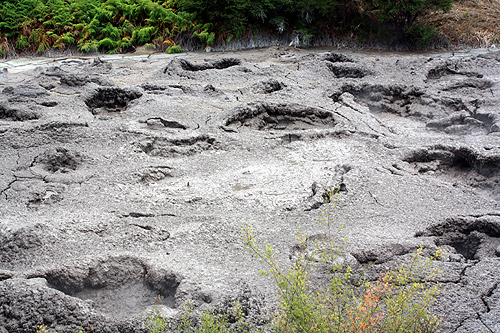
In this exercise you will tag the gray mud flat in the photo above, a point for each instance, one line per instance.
(126, 178)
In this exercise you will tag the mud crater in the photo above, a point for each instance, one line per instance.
(380, 98)
(473, 237)
(347, 71)
(270, 116)
(59, 159)
(118, 286)
(110, 100)
(172, 147)
(461, 163)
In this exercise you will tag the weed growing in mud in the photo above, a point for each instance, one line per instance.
(156, 321)
(207, 322)
(398, 301)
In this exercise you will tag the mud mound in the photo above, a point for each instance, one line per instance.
(99, 66)
(78, 80)
(24, 90)
(464, 122)
(462, 159)
(474, 83)
(42, 305)
(14, 114)
(269, 116)
(171, 147)
(59, 159)
(473, 237)
(20, 239)
(111, 99)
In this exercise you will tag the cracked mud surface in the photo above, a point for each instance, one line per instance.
(125, 178)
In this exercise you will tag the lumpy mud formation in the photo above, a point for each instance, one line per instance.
(125, 180)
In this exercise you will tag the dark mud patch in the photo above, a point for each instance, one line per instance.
(161, 122)
(269, 116)
(216, 64)
(473, 237)
(111, 99)
(167, 89)
(59, 159)
(118, 286)
(172, 147)
(14, 114)
(346, 71)
(337, 57)
(49, 104)
(268, 86)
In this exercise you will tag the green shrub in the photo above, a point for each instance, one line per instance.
(398, 301)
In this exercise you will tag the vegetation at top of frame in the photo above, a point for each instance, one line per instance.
(120, 25)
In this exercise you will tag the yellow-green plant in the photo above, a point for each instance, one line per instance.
(156, 321)
(206, 322)
(41, 329)
(398, 301)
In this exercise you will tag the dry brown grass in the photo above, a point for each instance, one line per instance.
(470, 22)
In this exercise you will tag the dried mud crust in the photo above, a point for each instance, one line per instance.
(270, 116)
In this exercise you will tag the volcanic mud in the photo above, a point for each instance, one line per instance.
(125, 178)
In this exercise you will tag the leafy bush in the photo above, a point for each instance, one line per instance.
(119, 25)
(90, 25)
(398, 301)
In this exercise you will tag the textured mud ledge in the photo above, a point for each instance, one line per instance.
(124, 178)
